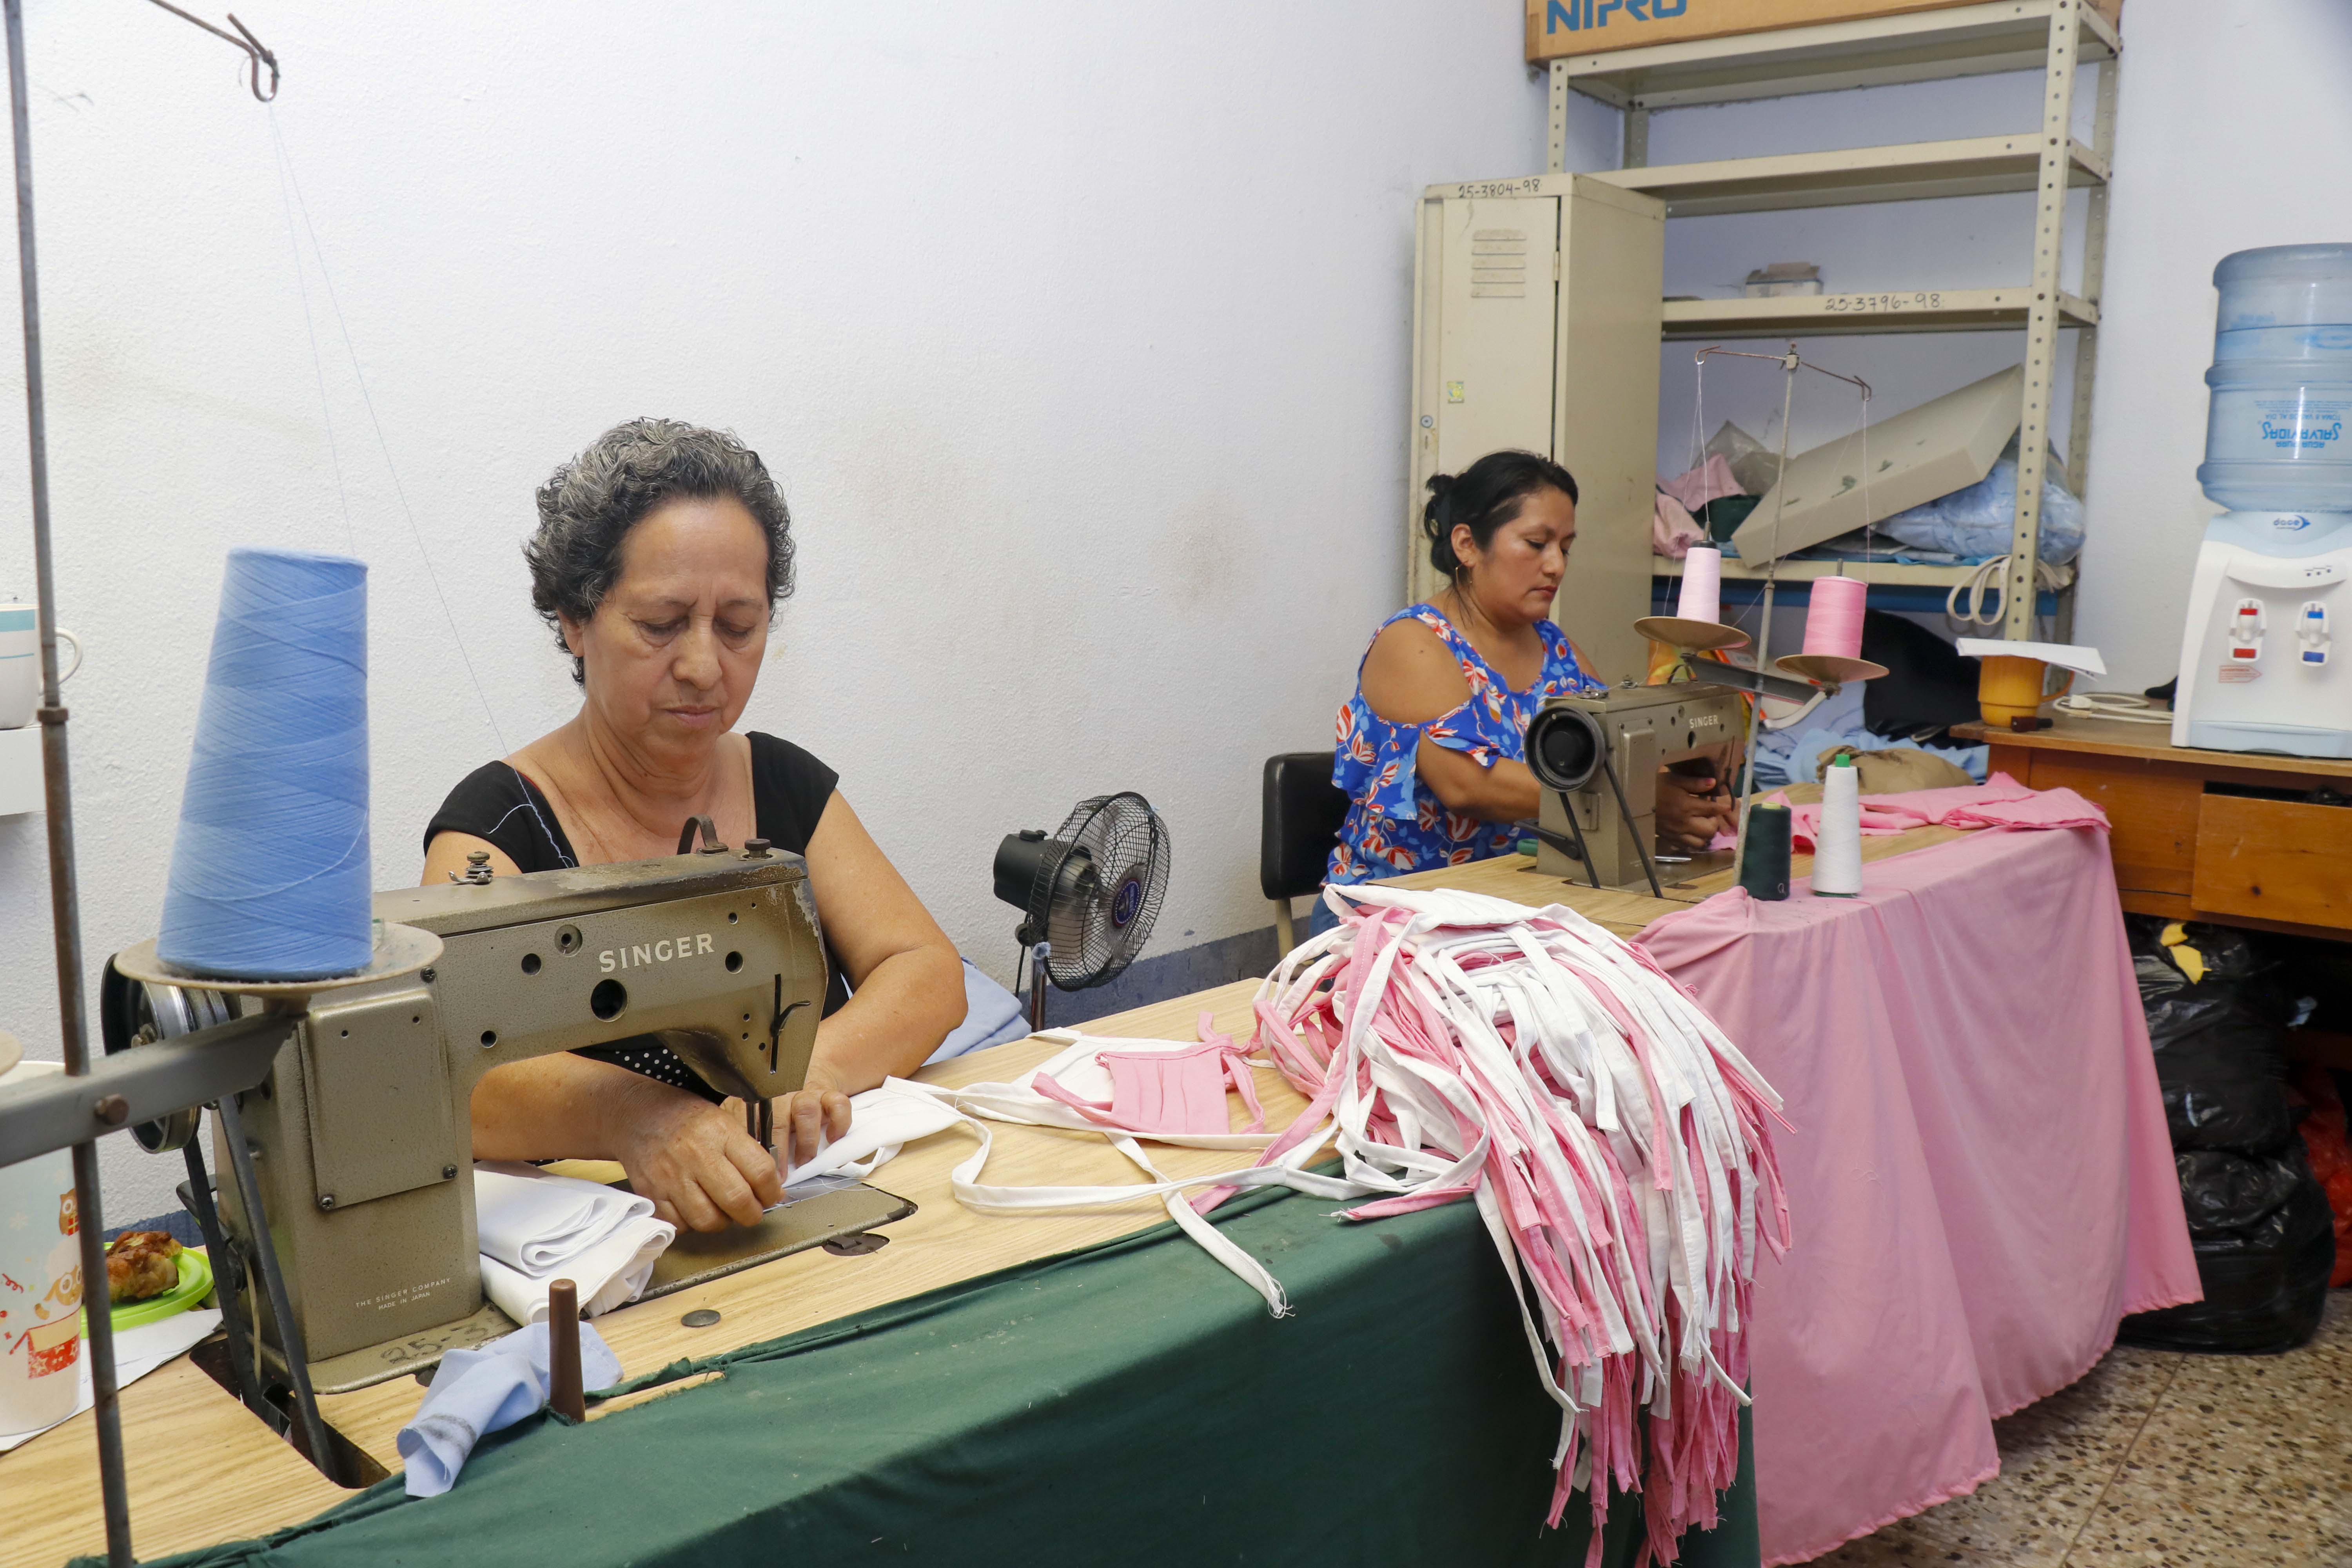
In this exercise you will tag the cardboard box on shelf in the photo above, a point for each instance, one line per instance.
(1556, 27)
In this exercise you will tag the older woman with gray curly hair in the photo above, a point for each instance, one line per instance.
(661, 553)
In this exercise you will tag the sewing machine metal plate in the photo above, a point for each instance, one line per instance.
(696, 1258)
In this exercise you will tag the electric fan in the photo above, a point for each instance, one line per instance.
(1088, 895)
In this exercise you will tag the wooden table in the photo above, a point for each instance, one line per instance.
(203, 1469)
(2213, 836)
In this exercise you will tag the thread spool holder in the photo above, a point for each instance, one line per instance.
(210, 1067)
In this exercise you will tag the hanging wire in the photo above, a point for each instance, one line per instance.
(1790, 363)
(318, 363)
(456, 636)
(256, 54)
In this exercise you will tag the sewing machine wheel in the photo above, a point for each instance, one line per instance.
(1565, 746)
(133, 1013)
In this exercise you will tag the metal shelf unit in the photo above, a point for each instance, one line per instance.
(1891, 574)
(1920, 170)
(2055, 37)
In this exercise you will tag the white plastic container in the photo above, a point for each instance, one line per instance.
(40, 1285)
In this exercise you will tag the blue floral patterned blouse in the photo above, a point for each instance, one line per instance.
(1394, 823)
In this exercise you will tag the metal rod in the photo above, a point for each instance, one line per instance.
(1577, 833)
(229, 1277)
(1632, 829)
(1038, 957)
(282, 1310)
(65, 913)
(256, 54)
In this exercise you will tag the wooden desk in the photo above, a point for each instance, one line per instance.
(204, 1470)
(2187, 842)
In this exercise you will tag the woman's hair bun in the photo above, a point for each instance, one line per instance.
(1486, 495)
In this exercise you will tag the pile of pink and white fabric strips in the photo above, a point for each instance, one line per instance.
(1614, 1142)
(1453, 1046)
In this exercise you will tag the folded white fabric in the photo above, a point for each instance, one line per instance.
(534, 1228)
(881, 1122)
(478, 1392)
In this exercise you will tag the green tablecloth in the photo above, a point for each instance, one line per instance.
(1132, 1404)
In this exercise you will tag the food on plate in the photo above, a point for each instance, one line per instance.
(141, 1264)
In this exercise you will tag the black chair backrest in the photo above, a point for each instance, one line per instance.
(1303, 812)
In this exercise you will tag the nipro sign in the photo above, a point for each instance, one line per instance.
(1577, 15)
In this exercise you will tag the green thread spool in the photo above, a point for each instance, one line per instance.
(1764, 860)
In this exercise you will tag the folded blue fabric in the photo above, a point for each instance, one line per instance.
(991, 1015)
(478, 1392)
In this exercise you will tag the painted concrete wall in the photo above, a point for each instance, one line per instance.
(1077, 334)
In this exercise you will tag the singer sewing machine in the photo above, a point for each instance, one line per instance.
(1598, 758)
(360, 1137)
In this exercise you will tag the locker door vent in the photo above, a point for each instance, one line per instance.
(1499, 264)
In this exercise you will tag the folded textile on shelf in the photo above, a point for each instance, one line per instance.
(534, 1228)
(484, 1390)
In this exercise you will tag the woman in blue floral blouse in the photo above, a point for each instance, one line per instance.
(1432, 746)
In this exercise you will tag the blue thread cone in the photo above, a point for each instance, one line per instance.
(270, 871)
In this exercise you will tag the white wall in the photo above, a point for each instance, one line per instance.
(2227, 118)
(1077, 334)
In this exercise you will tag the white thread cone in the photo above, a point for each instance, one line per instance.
(1837, 841)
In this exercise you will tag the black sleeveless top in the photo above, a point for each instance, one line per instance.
(496, 802)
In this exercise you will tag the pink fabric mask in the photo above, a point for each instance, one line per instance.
(1169, 1091)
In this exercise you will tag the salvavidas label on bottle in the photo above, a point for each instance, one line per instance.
(2292, 425)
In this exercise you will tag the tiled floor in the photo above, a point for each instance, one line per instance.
(2160, 1459)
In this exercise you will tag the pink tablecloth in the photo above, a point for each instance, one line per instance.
(1979, 1169)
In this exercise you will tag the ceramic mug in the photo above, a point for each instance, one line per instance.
(20, 663)
(2009, 687)
(40, 1284)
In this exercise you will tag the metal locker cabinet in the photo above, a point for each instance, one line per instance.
(1535, 321)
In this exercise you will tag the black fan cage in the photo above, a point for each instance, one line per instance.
(1108, 875)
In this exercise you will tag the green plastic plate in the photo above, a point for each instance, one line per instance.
(196, 1283)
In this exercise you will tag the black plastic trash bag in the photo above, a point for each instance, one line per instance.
(2265, 1242)
(2219, 1054)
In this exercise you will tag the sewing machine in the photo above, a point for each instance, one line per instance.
(361, 1135)
(1599, 758)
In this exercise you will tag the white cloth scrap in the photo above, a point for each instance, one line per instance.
(881, 1122)
(534, 1228)
(478, 1392)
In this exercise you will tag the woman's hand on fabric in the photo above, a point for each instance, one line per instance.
(806, 1121)
(696, 1163)
(1692, 809)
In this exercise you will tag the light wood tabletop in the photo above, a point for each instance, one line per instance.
(2146, 742)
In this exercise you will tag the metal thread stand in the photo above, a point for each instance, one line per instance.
(2054, 37)
(65, 902)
